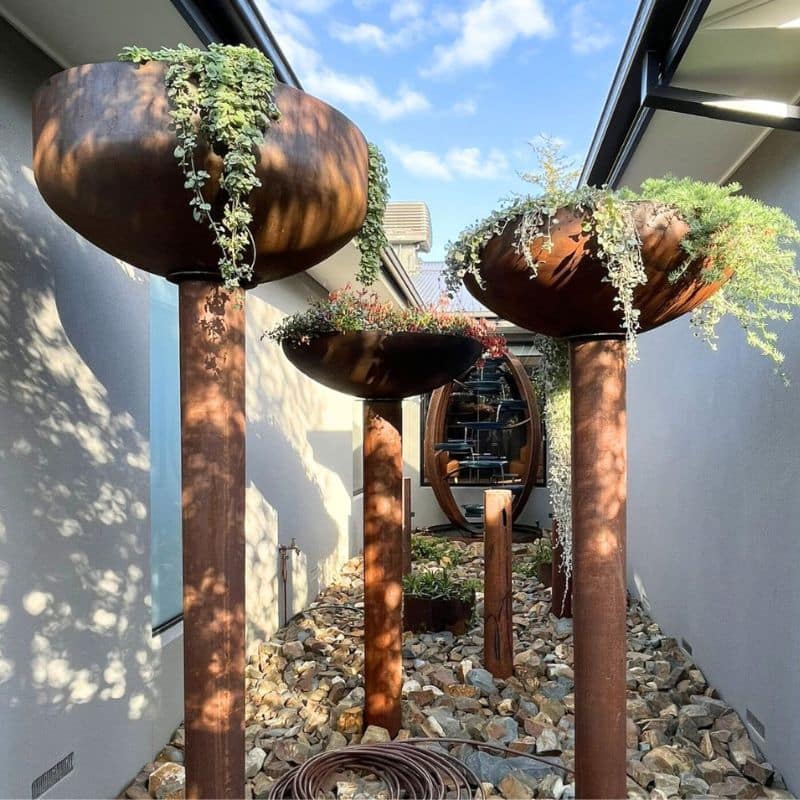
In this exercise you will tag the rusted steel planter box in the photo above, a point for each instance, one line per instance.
(426, 614)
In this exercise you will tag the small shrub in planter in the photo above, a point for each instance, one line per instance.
(539, 563)
(436, 601)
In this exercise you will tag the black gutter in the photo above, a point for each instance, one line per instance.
(236, 22)
(662, 26)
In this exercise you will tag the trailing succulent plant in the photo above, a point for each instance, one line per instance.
(229, 90)
(733, 234)
(349, 310)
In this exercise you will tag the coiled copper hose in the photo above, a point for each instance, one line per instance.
(406, 769)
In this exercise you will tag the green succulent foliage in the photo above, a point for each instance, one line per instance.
(540, 554)
(372, 237)
(732, 234)
(439, 584)
(221, 97)
(431, 548)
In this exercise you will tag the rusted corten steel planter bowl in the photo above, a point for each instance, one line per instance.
(433, 614)
(375, 365)
(569, 296)
(383, 369)
(103, 160)
(103, 157)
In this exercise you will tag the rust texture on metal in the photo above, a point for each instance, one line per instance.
(561, 599)
(102, 142)
(407, 526)
(370, 364)
(498, 633)
(599, 475)
(438, 467)
(570, 295)
(212, 369)
(383, 563)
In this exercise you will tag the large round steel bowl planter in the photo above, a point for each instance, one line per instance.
(375, 365)
(569, 295)
(103, 160)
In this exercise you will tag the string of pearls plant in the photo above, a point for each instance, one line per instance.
(222, 97)
(551, 381)
(733, 235)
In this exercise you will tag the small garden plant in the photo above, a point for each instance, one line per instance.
(432, 548)
(229, 90)
(439, 584)
(540, 554)
(350, 311)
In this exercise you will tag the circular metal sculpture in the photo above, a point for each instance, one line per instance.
(103, 157)
(375, 365)
(103, 160)
(495, 401)
(383, 369)
(569, 296)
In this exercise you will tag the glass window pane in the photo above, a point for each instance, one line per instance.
(165, 454)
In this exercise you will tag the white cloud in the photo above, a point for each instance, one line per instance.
(465, 108)
(587, 34)
(487, 29)
(354, 90)
(364, 34)
(405, 9)
(464, 162)
(422, 163)
(312, 6)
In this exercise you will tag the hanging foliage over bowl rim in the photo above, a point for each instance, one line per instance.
(229, 89)
(349, 310)
(742, 239)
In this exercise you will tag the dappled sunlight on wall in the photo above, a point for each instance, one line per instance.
(299, 463)
(74, 591)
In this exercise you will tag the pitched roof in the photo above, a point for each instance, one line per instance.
(429, 281)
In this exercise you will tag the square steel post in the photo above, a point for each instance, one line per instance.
(498, 633)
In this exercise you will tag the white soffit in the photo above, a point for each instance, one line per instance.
(83, 31)
(739, 49)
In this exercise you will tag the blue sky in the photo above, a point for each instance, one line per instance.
(452, 91)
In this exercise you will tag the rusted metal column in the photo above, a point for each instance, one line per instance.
(561, 593)
(498, 634)
(213, 464)
(406, 526)
(383, 563)
(599, 475)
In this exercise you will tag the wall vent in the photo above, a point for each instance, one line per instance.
(686, 646)
(47, 780)
(756, 724)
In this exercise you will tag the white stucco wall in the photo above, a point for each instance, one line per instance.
(714, 511)
(79, 667)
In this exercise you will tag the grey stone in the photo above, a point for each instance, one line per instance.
(481, 679)
(253, 761)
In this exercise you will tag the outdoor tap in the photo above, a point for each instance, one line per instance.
(284, 550)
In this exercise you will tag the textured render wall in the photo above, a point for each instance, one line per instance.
(714, 507)
(79, 668)
(299, 468)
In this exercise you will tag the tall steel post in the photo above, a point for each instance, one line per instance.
(383, 563)
(212, 370)
(599, 491)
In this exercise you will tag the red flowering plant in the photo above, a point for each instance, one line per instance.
(349, 310)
